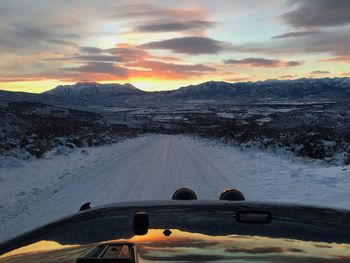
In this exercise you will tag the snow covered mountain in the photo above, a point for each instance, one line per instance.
(90, 93)
(79, 94)
(93, 89)
(300, 89)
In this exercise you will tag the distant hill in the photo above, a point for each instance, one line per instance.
(93, 89)
(90, 93)
(300, 89)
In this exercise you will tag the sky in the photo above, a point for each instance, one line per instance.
(163, 45)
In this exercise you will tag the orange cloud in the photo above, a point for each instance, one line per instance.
(343, 59)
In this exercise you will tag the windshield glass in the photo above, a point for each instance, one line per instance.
(191, 233)
(184, 246)
(103, 103)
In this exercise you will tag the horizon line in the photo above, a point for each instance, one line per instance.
(130, 83)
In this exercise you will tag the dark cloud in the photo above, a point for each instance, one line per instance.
(291, 63)
(188, 45)
(333, 42)
(101, 58)
(328, 42)
(153, 11)
(91, 50)
(23, 38)
(100, 67)
(297, 34)
(129, 54)
(289, 76)
(121, 54)
(92, 58)
(35, 26)
(262, 62)
(61, 42)
(318, 13)
(319, 72)
(32, 32)
(161, 66)
(174, 25)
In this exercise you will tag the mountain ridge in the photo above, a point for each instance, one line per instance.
(271, 88)
(91, 93)
(87, 89)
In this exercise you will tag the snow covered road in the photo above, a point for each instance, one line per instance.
(36, 192)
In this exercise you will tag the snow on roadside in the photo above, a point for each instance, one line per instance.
(281, 176)
(22, 181)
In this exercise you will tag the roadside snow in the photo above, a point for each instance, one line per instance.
(35, 192)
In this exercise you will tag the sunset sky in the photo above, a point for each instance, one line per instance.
(161, 45)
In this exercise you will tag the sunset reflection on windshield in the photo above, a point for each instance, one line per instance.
(182, 246)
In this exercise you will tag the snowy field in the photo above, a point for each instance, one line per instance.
(152, 167)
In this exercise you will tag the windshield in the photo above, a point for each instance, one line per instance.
(103, 103)
(184, 246)
(191, 232)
